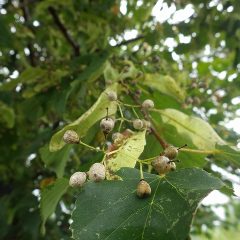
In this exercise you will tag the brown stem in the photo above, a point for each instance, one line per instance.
(163, 143)
(64, 31)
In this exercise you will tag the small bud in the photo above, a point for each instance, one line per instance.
(112, 96)
(71, 137)
(77, 179)
(203, 85)
(148, 104)
(97, 172)
(196, 101)
(194, 85)
(138, 124)
(143, 189)
(107, 124)
(189, 100)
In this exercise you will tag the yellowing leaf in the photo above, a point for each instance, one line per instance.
(88, 119)
(128, 153)
(199, 131)
(165, 84)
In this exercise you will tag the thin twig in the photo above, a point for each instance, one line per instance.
(163, 143)
(64, 31)
(130, 41)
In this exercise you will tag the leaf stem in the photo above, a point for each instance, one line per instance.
(135, 113)
(214, 151)
(148, 159)
(122, 116)
(90, 147)
(141, 171)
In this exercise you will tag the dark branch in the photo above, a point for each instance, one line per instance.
(27, 17)
(130, 41)
(64, 31)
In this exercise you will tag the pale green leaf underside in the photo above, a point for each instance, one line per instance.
(55, 161)
(88, 119)
(165, 84)
(110, 210)
(128, 153)
(199, 131)
(50, 197)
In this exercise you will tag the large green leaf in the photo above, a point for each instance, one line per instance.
(116, 212)
(50, 197)
(165, 84)
(88, 119)
(55, 161)
(199, 131)
(7, 115)
(128, 153)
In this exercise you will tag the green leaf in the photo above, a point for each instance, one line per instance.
(128, 153)
(55, 161)
(29, 76)
(165, 84)
(50, 197)
(110, 74)
(7, 115)
(200, 132)
(88, 119)
(116, 213)
(227, 153)
(5, 34)
(92, 72)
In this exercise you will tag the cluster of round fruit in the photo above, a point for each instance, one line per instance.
(162, 165)
(107, 123)
(96, 173)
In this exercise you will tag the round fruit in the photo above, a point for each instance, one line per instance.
(196, 101)
(138, 124)
(116, 137)
(97, 172)
(71, 137)
(107, 124)
(170, 152)
(77, 179)
(147, 104)
(112, 96)
(189, 100)
(146, 124)
(143, 189)
(161, 164)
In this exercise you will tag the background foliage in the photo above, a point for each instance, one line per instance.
(57, 57)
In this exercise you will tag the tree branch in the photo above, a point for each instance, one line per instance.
(27, 17)
(130, 41)
(64, 31)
